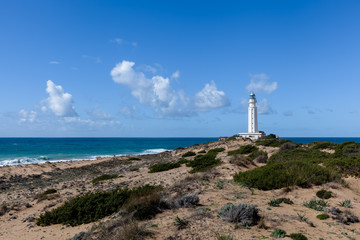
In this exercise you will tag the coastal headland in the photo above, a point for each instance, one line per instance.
(194, 190)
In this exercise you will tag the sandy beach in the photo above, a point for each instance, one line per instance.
(21, 184)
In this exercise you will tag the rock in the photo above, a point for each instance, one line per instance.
(3, 209)
(78, 236)
(13, 217)
(29, 219)
(28, 205)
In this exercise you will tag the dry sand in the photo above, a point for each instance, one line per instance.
(20, 184)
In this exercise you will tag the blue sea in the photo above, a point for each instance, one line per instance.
(14, 151)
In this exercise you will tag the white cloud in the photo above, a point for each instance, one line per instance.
(98, 113)
(175, 75)
(54, 62)
(260, 83)
(60, 103)
(264, 107)
(210, 98)
(27, 116)
(155, 91)
(118, 40)
(158, 92)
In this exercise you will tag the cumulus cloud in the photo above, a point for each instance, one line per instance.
(60, 102)
(99, 114)
(210, 98)
(260, 83)
(158, 92)
(27, 116)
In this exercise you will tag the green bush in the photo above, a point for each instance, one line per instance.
(182, 161)
(188, 154)
(323, 216)
(271, 141)
(134, 158)
(179, 148)
(323, 145)
(346, 166)
(323, 194)
(216, 150)
(104, 177)
(160, 167)
(134, 169)
(243, 150)
(284, 174)
(348, 149)
(278, 233)
(276, 202)
(202, 163)
(93, 206)
(298, 236)
(202, 151)
(49, 191)
(257, 153)
(308, 155)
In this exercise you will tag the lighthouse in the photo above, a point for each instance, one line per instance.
(253, 132)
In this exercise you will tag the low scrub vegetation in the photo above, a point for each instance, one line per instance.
(187, 201)
(94, 206)
(134, 158)
(271, 141)
(246, 149)
(348, 149)
(323, 145)
(323, 194)
(104, 177)
(47, 195)
(346, 203)
(278, 233)
(202, 163)
(202, 151)
(345, 217)
(160, 167)
(298, 236)
(216, 150)
(188, 154)
(181, 223)
(323, 216)
(244, 214)
(276, 202)
(284, 174)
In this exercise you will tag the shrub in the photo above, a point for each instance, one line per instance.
(202, 163)
(323, 216)
(241, 160)
(47, 195)
(134, 169)
(179, 148)
(224, 237)
(187, 201)
(348, 149)
(309, 155)
(323, 194)
(298, 236)
(244, 214)
(276, 202)
(271, 142)
(347, 166)
(202, 151)
(317, 205)
(278, 233)
(345, 217)
(104, 177)
(216, 150)
(188, 154)
(93, 206)
(243, 150)
(134, 158)
(182, 161)
(160, 167)
(287, 146)
(323, 145)
(284, 174)
(257, 153)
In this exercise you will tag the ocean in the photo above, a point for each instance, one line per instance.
(14, 151)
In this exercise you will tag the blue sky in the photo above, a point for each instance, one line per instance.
(178, 68)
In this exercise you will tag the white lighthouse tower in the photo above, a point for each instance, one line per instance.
(253, 132)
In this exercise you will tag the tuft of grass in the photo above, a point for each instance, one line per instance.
(318, 205)
(181, 223)
(346, 203)
(243, 150)
(298, 236)
(94, 206)
(104, 177)
(278, 233)
(188, 154)
(244, 214)
(323, 216)
(202, 163)
(323, 194)
(161, 167)
(134, 169)
(303, 218)
(46, 195)
(276, 202)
